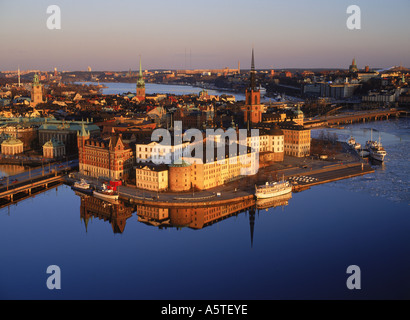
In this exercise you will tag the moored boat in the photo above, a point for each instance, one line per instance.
(352, 143)
(82, 186)
(272, 189)
(376, 150)
(106, 194)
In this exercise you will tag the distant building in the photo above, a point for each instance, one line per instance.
(66, 132)
(271, 144)
(36, 92)
(353, 67)
(140, 86)
(11, 146)
(53, 149)
(252, 109)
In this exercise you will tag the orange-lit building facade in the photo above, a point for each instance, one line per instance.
(108, 158)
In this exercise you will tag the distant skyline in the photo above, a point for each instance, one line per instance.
(179, 34)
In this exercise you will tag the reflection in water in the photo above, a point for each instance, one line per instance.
(10, 170)
(274, 202)
(177, 217)
(115, 213)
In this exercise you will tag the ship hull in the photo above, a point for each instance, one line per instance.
(82, 190)
(260, 195)
(103, 196)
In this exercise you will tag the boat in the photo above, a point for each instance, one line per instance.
(352, 143)
(273, 202)
(82, 186)
(106, 194)
(376, 150)
(272, 189)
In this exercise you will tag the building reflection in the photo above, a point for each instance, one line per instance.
(279, 201)
(173, 217)
(115, 213)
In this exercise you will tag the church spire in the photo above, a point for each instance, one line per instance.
(253, 73)
(140, 81)
(140, 74)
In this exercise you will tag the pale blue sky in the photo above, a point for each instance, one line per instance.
(110, 35)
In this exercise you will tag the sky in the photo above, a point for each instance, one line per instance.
(196, 34)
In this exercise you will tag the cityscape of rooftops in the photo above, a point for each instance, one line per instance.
(259, 134)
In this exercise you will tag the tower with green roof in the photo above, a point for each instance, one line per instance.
(36, 91)
(140, 85)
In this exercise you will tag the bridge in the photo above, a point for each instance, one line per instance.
(23, 185)
(354, 117)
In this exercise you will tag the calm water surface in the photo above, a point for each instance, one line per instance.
(299, 251)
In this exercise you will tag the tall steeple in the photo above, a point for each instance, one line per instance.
(252, 84)
(140, 74)
(252, 109)
(140, 85)
(140, 81)
(36, 91)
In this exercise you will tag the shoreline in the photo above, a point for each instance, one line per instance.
(240, 190)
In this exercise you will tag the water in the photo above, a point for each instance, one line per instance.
(299, 251)
(392, 179)
(153, 88)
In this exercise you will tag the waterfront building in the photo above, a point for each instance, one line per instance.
(36, 92)
(140, 94)
(151, 177)
(297, 139)
(11, 146)
(339, 90)
(54, 149)
(108, 157)
(252, 109)
(234, 161)
(180, 176)
(271, 145)
(332, 90)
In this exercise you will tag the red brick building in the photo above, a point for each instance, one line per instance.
(252, 109)
(108, 157)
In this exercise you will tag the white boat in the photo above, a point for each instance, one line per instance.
(82, 186)
(274, 201)
(352, 143)
(272, 189)
(106, 194)
(376, 150)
